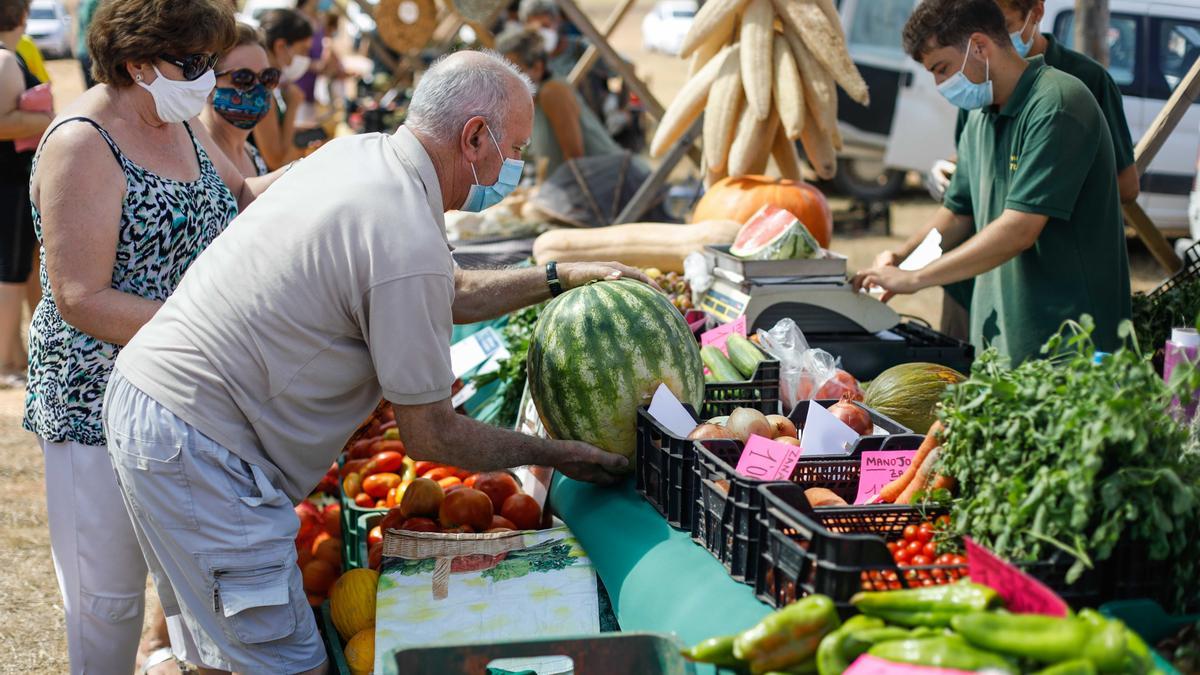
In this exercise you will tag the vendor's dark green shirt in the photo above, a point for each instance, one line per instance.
(1048, 152)
(1100, 83)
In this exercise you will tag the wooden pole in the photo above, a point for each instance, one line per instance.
(590, 55)
(1091, 28)
(644, 197)
(623, 68)
(1149, 233)
(1168, 118)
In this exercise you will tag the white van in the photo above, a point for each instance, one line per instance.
(908, 125)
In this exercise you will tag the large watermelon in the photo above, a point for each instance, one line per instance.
(774, 234)
(599, 352)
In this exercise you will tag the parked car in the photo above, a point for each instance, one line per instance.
(909, 126)
(49, 27)
(666, 24)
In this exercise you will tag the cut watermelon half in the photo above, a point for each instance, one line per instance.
(774, 234)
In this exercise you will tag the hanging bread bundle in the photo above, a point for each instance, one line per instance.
(763, 73)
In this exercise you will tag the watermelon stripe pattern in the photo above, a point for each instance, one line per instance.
(599, 352)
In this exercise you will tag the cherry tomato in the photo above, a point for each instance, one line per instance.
(925, 533)
(910, 532)
(927, 582)
(914, 547)
(895, 585)
(889, 575)
(901, 556)
(911, 575)
(867, 586)
(938, 573)
(942, 522)
(920, 560)
(945, 559)
(959, 560)
(930, 550)
(892, 546)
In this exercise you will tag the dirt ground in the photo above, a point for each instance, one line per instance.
(31, 615)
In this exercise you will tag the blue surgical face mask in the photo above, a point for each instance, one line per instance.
(1019, 43)
(242, 109)
(964, 93)
(480, 197)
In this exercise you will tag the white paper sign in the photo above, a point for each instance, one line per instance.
(825, 435)
(927, 252)
(469, 353)
(670, 413)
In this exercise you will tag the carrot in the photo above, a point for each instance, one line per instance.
(943, 482)
(892, 490)
(921, 480)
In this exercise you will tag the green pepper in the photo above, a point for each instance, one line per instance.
(788, 636)
(1137, 655)
(832, 658)
(950, 651)
(808, 667)
(1045, 639)
(1072, 667)
(717, 651)
(963, 596)
(916, 619)
(858, 642)
(1107, 647)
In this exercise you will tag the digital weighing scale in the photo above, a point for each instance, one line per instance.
(867, 334)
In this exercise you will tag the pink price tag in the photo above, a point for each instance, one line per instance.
(1022, 593)
(878, 468)
(719, 335)
(765, 459)
(872, 665)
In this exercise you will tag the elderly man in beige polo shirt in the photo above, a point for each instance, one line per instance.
(336, 287)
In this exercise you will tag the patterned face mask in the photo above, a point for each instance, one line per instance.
(242, 108)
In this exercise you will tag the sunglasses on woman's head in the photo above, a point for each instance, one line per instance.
(244, 78)
(193, 66)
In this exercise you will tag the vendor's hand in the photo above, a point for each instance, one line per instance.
(590, 464)
(574, 275)
(893, 280)
(887, 259)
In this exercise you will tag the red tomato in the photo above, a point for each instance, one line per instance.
(942, 521)
(523, 511)
(938, 573)
(375, 556)
(892, 546)
(375, 536)
(902, 555)
(930, 550)
(919, 560)
(388, 461)
(377, 485)
(363, 500)
(449, 482)
(910, 532)
(498, 486)
(422, 467)
(927, 582)
(914, 547)
(960, 560)
(925, 532)
(466, 506)
(352, 485)
(438, 473)
(420, 525)
(351, 466)
(392, 520)
(945, 559)
(469, 481)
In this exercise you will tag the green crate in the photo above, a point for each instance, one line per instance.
(333, 642)
(1148, 619)
(642, 653)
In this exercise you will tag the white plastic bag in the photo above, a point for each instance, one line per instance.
(805, 372)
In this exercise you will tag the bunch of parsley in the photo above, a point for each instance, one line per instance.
(1064, 456)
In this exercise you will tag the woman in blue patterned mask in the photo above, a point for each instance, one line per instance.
(245, 82)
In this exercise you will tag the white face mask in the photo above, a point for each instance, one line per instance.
(297, 68)
(549, 38)
(179, 100)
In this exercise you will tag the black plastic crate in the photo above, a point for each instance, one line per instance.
(866, 356)
(664, 461)
(1189, 271)
(724, 520)
(760, 392)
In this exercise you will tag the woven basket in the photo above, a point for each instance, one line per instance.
(406, 25)
(446, 547)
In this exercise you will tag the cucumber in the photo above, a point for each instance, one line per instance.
(720, 366)
(744, 355)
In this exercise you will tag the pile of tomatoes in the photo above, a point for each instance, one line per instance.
(916, 554)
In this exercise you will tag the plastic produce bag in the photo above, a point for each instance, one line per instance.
(698, 273)
(805, 373)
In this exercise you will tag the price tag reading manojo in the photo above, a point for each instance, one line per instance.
(764, 459)
(1022, 593)
(718, 336)
(878, 468)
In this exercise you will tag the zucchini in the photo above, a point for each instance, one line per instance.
(744, 355)
(720, 366)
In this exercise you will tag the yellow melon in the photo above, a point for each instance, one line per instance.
(352, 602)
(360, 652)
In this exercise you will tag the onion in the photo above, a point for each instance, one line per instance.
(852, 416)
(709, 431)
(790, 440)
(781, 426)
(746, 422)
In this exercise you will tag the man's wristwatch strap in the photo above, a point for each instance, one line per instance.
(552, 280)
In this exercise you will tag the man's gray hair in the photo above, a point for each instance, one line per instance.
(453, 90)
(531, 8)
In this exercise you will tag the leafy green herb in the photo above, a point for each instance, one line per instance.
(1154, 317)
(1064, 456)
(511, 373)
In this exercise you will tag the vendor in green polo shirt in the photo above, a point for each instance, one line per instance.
(1034, 200)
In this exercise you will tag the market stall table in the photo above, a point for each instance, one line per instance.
(658, 579)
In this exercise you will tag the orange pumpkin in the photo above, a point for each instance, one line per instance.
(352, 602)
(739, 197)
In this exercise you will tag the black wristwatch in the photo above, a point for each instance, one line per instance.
(552, 280)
